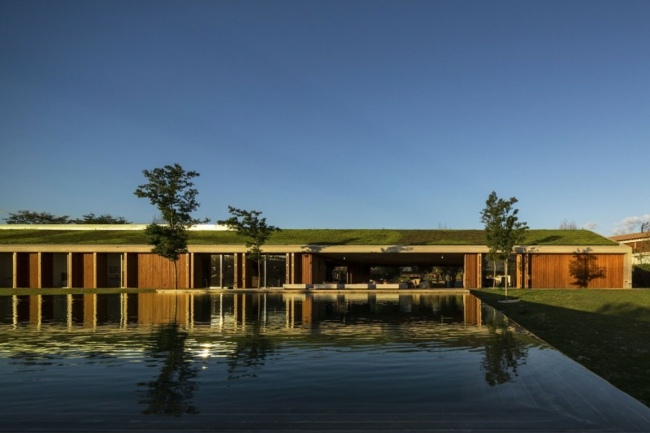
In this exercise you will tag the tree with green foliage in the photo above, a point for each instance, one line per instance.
(30, 217)
(491, 217)
(249, 225)
(503, 230)
(172, 191)
(91, 218)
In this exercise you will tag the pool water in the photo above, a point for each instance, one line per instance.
(271, 361)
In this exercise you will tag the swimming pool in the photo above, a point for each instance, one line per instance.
(230, 361)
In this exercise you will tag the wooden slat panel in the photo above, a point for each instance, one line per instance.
(577, 270)
(89, 270)
(306, 266)
(155, 271)
(33, 268)
(471, 271)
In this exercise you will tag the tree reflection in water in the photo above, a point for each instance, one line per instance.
(503, 353)
(249, 355)
(172, 392)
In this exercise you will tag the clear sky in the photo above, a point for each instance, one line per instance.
(331, 114)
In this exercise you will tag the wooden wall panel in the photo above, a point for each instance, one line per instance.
(471, 276)
(34, 272)
(89, 271)
(591, 271)
(549, 271)
(158, 272)
(306, 269)
(313, 269)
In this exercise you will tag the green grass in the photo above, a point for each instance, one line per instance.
(606, 331)
(304, 237)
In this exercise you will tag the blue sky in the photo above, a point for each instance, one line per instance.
(331, 114)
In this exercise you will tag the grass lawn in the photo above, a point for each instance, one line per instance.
(607, 331)
(303, 237)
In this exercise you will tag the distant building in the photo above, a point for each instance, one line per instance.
(640, 244)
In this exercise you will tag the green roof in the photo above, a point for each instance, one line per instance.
(303, 237)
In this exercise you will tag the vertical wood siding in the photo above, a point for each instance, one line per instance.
(305, 266)
(34, 271)
(89, 271)
(591, 271)
(471, 272)
(158, 272)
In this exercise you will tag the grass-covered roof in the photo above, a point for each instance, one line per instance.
(303, 237)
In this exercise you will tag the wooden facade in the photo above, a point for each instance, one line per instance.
(579, 270)
(472, 271)
(136, 267)
(157, 272)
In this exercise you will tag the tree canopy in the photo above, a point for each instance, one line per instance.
(249, 225)
(503, 230)
(172, 191)
(31, 217)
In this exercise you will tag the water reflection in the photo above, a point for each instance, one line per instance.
(172, 391)
(504, 353)
(187, 339)
(234, 310)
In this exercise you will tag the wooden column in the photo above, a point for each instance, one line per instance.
(190, 263)
(70, 270)
(14, 277)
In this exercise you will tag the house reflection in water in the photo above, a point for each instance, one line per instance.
(236, 311)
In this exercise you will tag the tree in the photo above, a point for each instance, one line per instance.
(91, 218)
(491, 217)
(568, 225)
(503, 229)
(170, 189)
(30, 217)
(249, 225)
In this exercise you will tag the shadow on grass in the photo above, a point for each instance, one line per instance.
(613, 341)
